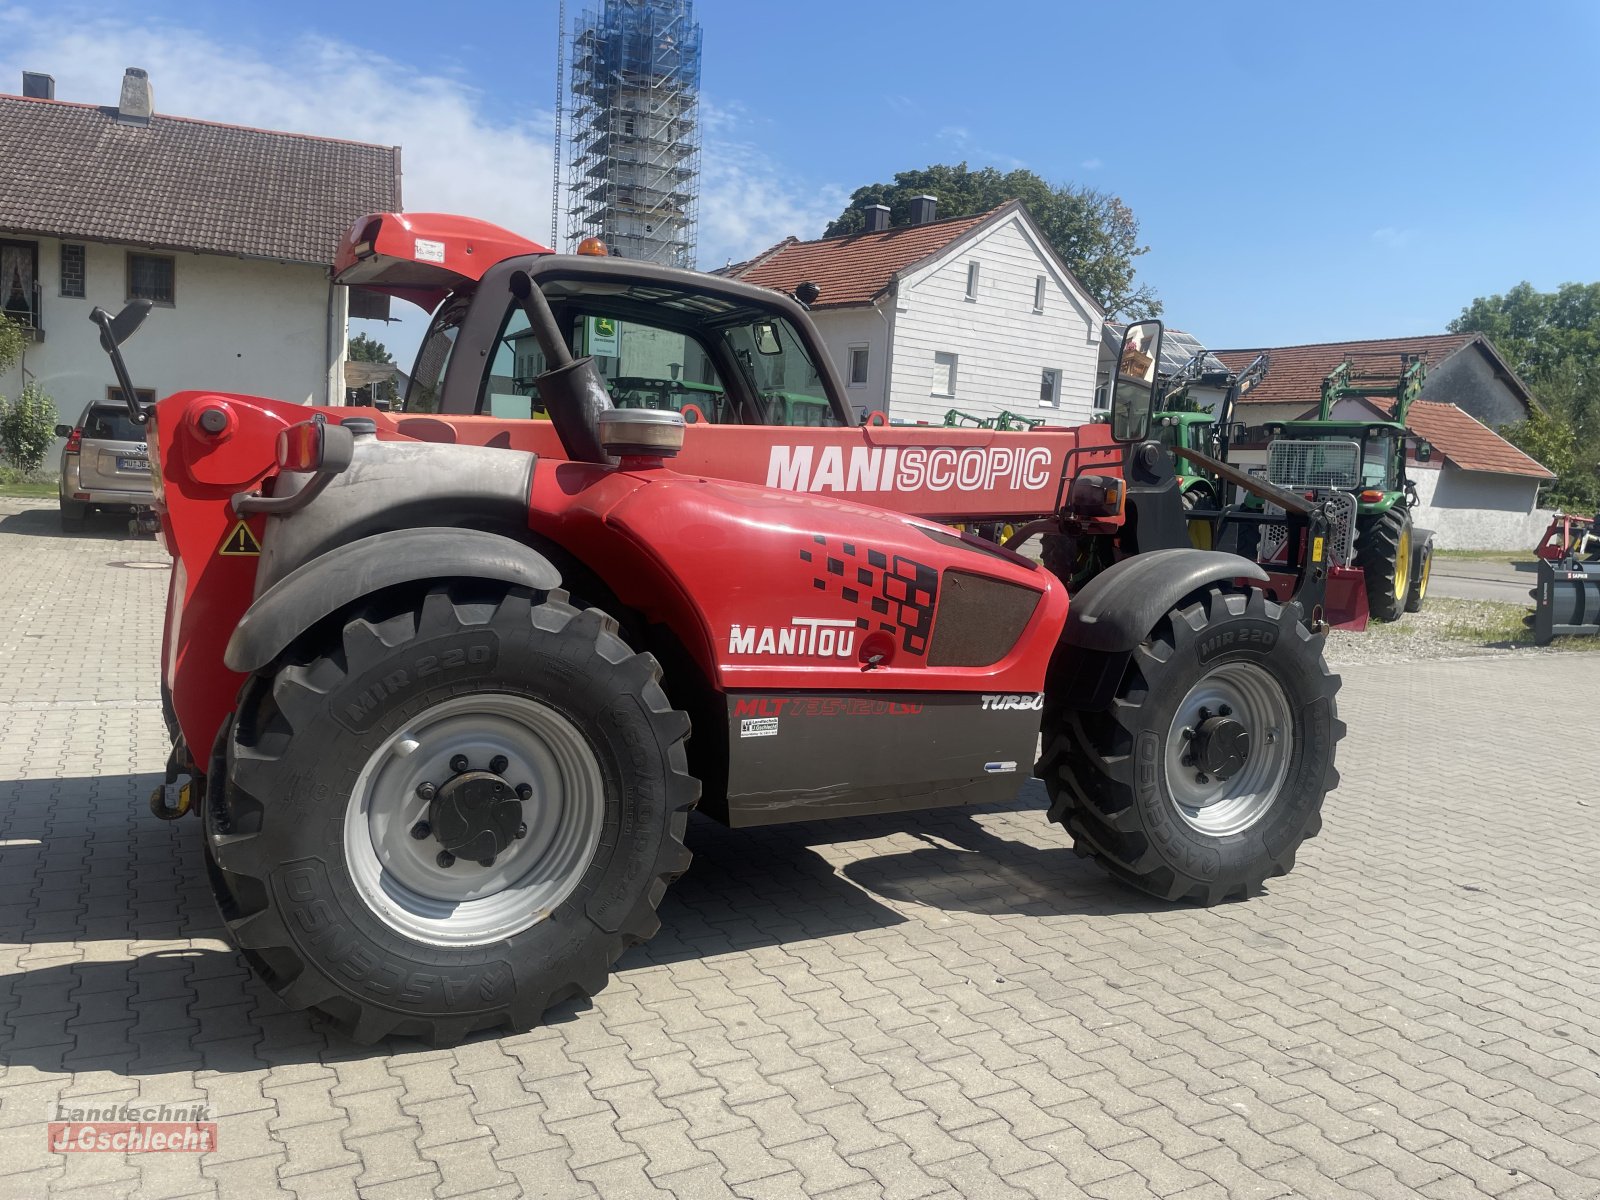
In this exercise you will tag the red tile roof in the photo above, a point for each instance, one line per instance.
(856, 268)
(1467, 442)
(1297, 372)
(72, 170)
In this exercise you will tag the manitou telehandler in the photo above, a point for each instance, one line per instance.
(445, 686)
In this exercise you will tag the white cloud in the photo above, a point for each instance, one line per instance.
(455, 156)
(1391, 238)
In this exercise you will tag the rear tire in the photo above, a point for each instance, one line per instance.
(1202, 534)
(1421, 569)
(1116, 777)
(74, 515)
(1383, 552)
(314, 850)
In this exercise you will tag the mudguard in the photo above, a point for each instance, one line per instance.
(345, 574)
(1117, 609)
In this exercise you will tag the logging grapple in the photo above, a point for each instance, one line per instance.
(444, 682)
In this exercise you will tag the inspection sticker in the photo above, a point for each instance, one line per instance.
(427, 251)
(758, 727)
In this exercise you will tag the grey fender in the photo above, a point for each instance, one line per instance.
(345, 574)
(1117, 609)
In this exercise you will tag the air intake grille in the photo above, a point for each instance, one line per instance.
(978, 620)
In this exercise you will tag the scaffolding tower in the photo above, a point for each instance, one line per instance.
(634, 173)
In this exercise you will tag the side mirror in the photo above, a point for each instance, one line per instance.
(1424, 451)
(124, 324)
(1238, 431)
(63, 430)
(1133, 388)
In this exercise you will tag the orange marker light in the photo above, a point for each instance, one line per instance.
(594, 246)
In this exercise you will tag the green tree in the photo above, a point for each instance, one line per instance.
(1552, 339)
(364, 349)
(27, 427)
(13, 340)
(1095, 233)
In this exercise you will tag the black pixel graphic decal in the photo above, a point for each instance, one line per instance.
(900, 590)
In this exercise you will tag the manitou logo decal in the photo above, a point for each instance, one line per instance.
(803, 637)
(908, 468)
(1011, 703)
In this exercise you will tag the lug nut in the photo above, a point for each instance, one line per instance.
(522, 831)
(498, 764)
(524, 792)
(1224, 711)
(486, 862)
(425, 791)
(1200, 777)
(421, 830)
(446, 859)
(458, 763)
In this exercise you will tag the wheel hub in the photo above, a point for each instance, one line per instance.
(1221, 746)
(476, 815)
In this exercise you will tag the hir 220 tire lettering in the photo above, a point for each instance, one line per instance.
(1230, 683)
(455, 816)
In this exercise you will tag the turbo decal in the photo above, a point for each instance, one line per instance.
(1012, 703)
(908, 468)
(803, 637)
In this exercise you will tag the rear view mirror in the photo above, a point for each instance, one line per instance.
(1424, 451)
(767, 338)
(124, 324)
(63, 430)
(1133, 386)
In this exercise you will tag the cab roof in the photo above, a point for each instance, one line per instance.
(422, 257)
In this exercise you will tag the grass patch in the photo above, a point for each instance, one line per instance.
(29, 490)
(1486, 623)
(1488, 555)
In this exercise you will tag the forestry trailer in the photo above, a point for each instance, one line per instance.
(445, 682)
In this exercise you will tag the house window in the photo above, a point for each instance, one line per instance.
(19, 282)
(972, 281)
(150, 277)
(858, 366)
(1038, 293)
(1050, 386)
(145, 396)
(944, 373)
(72, 274)
(1102, 397)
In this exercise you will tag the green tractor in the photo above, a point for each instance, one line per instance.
(1187, 423)
(1367, 459)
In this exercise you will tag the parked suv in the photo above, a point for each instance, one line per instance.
(106, 463)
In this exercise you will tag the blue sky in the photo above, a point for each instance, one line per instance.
(1301, 172)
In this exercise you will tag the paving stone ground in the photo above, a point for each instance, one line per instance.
(944, 1005)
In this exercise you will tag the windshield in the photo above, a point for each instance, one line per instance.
(1379, 451)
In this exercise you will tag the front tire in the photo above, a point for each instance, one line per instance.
(1124, 781)
(1421, 569)
(522, 736)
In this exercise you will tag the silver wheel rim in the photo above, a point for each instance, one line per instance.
(398, 876)
(1220, 807)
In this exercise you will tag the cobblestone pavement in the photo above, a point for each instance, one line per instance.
(948, 1005)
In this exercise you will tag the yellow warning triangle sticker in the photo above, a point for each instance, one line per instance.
(241, 543)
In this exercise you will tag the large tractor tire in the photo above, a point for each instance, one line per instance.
(455, 814)
(1421, 570)
(1208, 770)
(1383, 552)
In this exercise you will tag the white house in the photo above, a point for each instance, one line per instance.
(969, 315)
(229, 231)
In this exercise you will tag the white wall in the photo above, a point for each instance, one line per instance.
(1003, 344)
(842, 328)
(1477, 510)
(237, 325)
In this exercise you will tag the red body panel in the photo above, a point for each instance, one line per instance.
(742, 574)
(421, 256)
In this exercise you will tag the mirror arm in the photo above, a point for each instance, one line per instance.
(136, 411)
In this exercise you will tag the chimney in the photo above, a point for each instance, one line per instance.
(136, 105)
(923, 209)
(38, 86)
(877, 217)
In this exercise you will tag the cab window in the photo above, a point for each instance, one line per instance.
(427, 379)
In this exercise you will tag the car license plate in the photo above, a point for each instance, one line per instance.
(133, 464)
